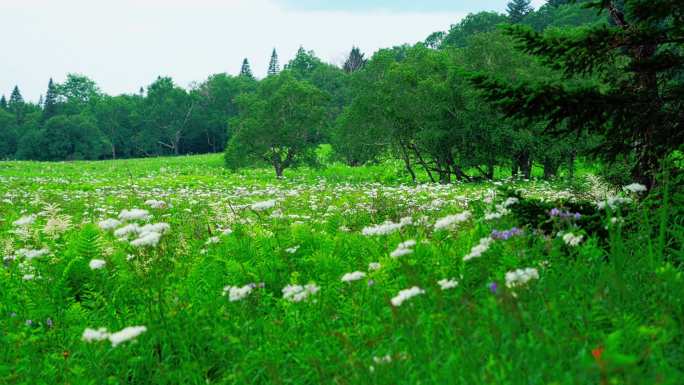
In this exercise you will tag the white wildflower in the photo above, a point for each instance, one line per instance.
(213, 240)
(355, 276)
(125, 231)
(446, 284)
(477, 251)
(298, 293)
(292, 250)
(30, 254)
(451, 220)
(28, 277)
(236, 293)
(91, 335)
(520, 277)
(126, 334)
(635, 188)
(25, 221)
(382, 229)
(510, 202)
(148, 240)
(265, 205)
(374, 266)
(135, 215)
(97, 264)
(155, 204)
(406, 294)
(109, 224)
(572, 240)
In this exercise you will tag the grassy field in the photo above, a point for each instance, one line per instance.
(330, 276)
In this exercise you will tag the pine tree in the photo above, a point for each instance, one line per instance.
(635, 101)
(274, 65)
(16, 105)
(518, 9)
(246, 69)
(50, 108)
(355, 62)
(3, 103)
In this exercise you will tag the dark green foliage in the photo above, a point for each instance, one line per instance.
(623, 82)
(71, 138)
(246, 69)
(274, 64)
(50, 104)
(8, 135)
(81, 249)
(471, 25)
(355, 61)
(3, 103)
(518, 9)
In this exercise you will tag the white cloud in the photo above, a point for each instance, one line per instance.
(125, 44)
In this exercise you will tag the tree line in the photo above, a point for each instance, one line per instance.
(529, 87)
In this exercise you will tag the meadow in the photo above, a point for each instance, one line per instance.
(178, 271)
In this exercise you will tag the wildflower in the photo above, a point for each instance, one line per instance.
(91, 335)
(493, 287)
(97, 264)
(28, 277)
(236, 293)
(510, 201)
(31, 254)
(494, 215)
(298, 293)
(126, 230)
(57, 225)
(635, 188)
(572, 240)
(383, 360)
(155, 204)
(374, 266)
(49, 322)
(126, 334)
(506, 235)
(382, 229)
(213, 240)
(355, 276)
(25, 221)
(520, 277)
(160, 228)
(148, 240)
(405, 295)
(477, 251)
(292, 250)
(451, 220)
(403, 248)
(265, 205)
(109, 224)
(135, 215)
(446, 284)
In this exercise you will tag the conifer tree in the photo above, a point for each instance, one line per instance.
(274, 65)
(518, 9)
(246, 69)
(355, 62)
(622, 80)
(16, 105)
(3, 103)
(50, 108)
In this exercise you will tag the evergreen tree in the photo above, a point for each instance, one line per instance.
(246, 69)
(50, 108)
(355, 62)
(518, 9)
(274, 65)
(623, 81)
(16, 105)
(3, 103)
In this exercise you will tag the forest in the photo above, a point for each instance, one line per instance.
(436, 105)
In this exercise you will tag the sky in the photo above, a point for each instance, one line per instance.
(125, 44)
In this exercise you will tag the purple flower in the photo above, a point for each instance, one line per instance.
(493, 287)
(29, 322)
(49, 323)
(555, 212)
(506, 235)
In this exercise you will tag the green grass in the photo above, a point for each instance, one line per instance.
(622, 296)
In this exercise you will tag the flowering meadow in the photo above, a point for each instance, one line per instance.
(177, 271)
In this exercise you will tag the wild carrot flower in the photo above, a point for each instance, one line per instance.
(635, 188)
(236, 293)
(452, 220)
(374, 266)
(135, 215)
(126, 334)
(382, 229)
(520, 277)
(25, 221)
(97, 264)
(109, 224)
(92, 335)
(298, 293)
(265, 205)
(355, 276)
(572, 240)
(446, 284)
(477, 251)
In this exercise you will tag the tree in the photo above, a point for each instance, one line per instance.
(621, 81)
(8, 135)
(273, 65)
(280, 124)
(246, 69)
(118, 119)
(518, 9)
(3, 103)
(77, 92)
(355, 61)
(303, 64)
(16, 105)
(471, 25)
(71, 138)
(50, 104)
(168, 110)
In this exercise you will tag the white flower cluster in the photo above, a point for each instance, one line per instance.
(613, 202)
(446, 284)
(404, 248)
(635, 188)
(236, 293)
(452, 220)
(480, 248)
(354, 276)
(30, 254)
(521, 277)
(405, 295)
(374, 266)
(97, 264)
(135, 215)
(265, 205)
(25, 221)
(386, 228)
(572, 240)
(101, 334)
(155, 204)
(298, 293)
